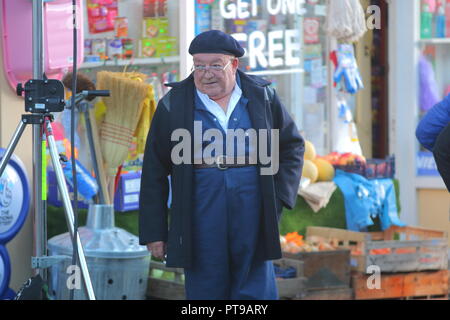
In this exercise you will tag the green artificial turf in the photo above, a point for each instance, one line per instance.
(298, 219)
(56, 221)
(332, 216)
(302, 216)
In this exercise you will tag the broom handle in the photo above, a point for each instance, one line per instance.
(99, 158)
(111, 183)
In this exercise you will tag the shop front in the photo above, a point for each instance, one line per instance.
(360, 99)
(418, 79)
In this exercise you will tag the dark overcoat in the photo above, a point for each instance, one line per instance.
(176, 111)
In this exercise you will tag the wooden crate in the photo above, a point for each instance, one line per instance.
(325, 269)
(292, 287)
(417, 249)
(328, 294)
(413, 285)
(172, 289)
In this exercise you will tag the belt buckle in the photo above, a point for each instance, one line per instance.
(219, 163)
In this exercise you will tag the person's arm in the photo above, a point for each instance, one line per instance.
(153, 211)
(441, 154)
(291, 150)
(433, 123)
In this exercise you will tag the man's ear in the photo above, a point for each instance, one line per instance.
(235, 63)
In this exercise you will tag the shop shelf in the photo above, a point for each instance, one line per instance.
(435, 41)
(136, 61)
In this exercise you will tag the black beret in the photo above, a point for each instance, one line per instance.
(215, 41)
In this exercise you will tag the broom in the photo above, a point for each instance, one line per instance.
(127, 93)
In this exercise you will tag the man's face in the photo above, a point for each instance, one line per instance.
(216, 82)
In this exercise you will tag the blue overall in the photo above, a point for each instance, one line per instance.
(227, 210)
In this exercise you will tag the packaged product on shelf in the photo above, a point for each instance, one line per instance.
(217, 22)
(162, 46)
(155, 27)
(238, 26)
(149, 8)
(121, 27)
(101, 14)
(128, 48)
(440, 21)
(148, 48)
(202, 17)
(92, 58)
(162, 8)
(426, 19)
(167, 46)
(155, 8)
(447, 16)
(115, 49)
(172, 45)
(99, 48)
(87, 47)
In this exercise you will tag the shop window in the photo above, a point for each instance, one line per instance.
(285, 43)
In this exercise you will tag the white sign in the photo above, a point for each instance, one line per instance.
(11, 199)
(281, 47)
(241, 9)
(273, 49)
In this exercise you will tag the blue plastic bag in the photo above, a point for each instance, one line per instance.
(367, 199)
(87, 185)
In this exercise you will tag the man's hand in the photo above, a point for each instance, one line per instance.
(157, 249)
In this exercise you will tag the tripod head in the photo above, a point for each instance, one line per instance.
(47, 95)
(42, 96)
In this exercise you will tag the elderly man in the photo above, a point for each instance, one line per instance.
(222, 227)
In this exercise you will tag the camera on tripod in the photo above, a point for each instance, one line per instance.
(43, 96)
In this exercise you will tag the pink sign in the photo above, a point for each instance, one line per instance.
(311, 30)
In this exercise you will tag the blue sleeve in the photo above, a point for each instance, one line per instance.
(433, 123)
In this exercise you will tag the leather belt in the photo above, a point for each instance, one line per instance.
(223, 162)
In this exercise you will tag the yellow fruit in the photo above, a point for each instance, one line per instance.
(310, 151)
(326, 170)
(310, 171)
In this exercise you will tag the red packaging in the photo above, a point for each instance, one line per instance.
(447, 18)
(150, 8)
(121, 27)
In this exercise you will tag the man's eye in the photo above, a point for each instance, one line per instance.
(216, 66)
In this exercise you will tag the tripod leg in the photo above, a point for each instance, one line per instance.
(69, 210)
(12, 146)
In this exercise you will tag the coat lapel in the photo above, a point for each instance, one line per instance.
(255, 95)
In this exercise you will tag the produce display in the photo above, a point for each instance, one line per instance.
(344, 159)
(322, 168)
(294, 243)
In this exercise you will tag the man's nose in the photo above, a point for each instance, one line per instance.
(208, 74)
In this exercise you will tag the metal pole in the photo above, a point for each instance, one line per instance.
(39, 214)
(69, 211)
